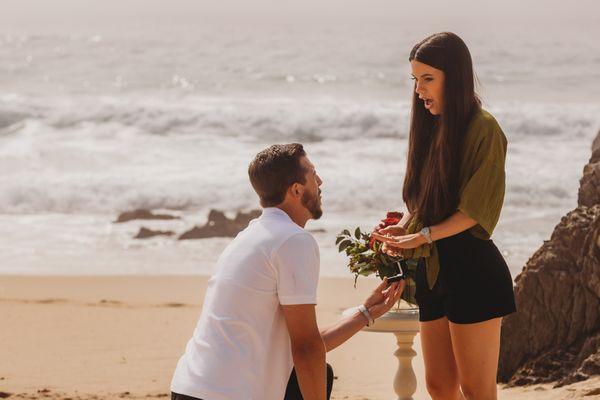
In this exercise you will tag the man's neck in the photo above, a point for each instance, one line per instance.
(298, 216)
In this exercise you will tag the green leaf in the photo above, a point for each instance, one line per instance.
(346, 232)
(343, 245)
(339, 239)
(357, 233)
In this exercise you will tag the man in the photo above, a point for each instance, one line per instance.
(258, 319)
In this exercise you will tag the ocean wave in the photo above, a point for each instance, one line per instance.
(79, 197)
(306, 120)
(260, 120)
(108, 155)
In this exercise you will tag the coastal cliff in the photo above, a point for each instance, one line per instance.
(555, 335)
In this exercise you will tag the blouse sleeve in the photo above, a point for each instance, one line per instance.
(482, 194)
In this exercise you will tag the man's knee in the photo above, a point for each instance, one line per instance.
(293, 389)
(329, 380)
(329, 373)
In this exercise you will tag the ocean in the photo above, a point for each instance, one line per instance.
(116, 105)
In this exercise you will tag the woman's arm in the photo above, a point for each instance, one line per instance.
(452, 225)
(405, 219)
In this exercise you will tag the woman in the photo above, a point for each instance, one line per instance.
(454, 190)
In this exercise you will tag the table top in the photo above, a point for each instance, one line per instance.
(396, 321)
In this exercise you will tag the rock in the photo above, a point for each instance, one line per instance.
(146, 233)
(589, 189)
(596, 143)
(558, 300)
(591, 365)
(593, 392)
(142, 214)
(555, 334)
(219, 225)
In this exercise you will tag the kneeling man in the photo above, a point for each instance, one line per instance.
(257, 337)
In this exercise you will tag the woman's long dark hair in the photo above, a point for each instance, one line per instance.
(431, 182)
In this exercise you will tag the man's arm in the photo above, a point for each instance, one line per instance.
(344, 329)
(381, 300)
(308, 350)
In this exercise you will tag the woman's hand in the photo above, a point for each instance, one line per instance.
(410, 241)
(394, 230)
(383, 298)
(390, 251)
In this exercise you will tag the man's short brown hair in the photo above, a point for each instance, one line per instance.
(274, 170)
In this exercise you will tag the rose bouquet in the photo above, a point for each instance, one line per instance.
(366, 256)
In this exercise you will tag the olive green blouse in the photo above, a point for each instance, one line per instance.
(481, 186)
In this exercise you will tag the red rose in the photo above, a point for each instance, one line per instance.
(395, 214)
(390, 221)
(372, 243)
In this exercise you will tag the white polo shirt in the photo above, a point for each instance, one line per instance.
(240, 348)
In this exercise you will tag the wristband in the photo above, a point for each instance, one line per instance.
(367, 314)
(427, 233)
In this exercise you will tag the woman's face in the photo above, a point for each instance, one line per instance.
(429, 85)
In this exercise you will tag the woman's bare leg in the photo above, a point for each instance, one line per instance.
(476, 349)
(441, 373)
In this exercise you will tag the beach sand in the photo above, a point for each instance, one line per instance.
(120, 337)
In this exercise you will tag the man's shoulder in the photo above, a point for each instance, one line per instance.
(282, 230)
(300, 240)
(272, 235)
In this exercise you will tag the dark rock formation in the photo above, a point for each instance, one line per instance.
(146, 233)
(555, 335)
(219, 225)
(589, 191)
(142, 214)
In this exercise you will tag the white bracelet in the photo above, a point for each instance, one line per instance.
(367, 314)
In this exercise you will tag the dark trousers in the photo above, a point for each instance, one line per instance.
(292, 392)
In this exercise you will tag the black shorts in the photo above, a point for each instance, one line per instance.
(473, 285)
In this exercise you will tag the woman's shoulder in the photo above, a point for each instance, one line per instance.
(483, 119)
(484, 125)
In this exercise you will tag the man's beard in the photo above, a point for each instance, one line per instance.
(312, 203)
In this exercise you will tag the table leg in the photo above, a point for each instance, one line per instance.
(405, 381)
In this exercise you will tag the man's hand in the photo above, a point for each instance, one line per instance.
(378, 303)
(383, 298)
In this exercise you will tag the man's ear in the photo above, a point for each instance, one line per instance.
(296, 190)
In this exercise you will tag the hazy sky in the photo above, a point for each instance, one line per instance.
(548, 47)
(43, 15)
